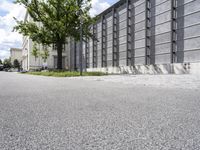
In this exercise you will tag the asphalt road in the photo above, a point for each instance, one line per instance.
(75, 114)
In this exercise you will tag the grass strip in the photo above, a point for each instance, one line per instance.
(66, 73)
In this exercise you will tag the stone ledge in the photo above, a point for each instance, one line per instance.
(177, 68)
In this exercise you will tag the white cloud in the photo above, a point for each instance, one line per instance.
(8, 38)
(98, 6)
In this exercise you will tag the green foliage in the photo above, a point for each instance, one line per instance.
(35, 51)
(16, 64)
(44, 54)
(1, 62)
(66, 73)
(7, 63)
(55, 20)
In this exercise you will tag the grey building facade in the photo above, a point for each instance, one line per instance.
(143, 36)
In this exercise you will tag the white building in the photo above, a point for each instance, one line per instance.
(28, 60)
(15, 53)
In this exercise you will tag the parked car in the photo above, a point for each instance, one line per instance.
(13, 70)
(10, 70)
(1, 67)
(23, 71)
(6, 69)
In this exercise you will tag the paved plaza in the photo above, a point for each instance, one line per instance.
(126, 112)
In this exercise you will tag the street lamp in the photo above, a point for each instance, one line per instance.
(81, 45)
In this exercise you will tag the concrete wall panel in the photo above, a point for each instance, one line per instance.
(162, 28)
(99, 27)
(180, 3)
(188, 32)
(122, 47)
(163, 59)
(191, 44)
(162, 18)
(190, 19)
(109, 50)
(188, 8)
(140, 52)
(162, 7)
(122, 25)
(109, 44)
(109, 37)
(140, 35)
(137, 3)
(99, 62)
(122, 55)
(163, 48)
(122, 9)
(108, 17)
(140, 60)
(122, 62)
(122, 40)
(109, 56)
(140, 43)
(156, 2)
(192, 56)
(140, 8)
(109, 24)
(140, 26)
(109, 63)
(163, 38)
(122, 17)
(140, 17)
(122, 32)
(109, 30)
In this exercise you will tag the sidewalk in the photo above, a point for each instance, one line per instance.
(186, 81)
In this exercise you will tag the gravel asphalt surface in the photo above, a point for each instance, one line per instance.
(39, 113)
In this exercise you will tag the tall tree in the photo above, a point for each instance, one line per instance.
(60, 20)
(16, 64)
(7, 63)
(1, 62)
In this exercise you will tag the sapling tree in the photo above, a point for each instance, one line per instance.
(44, 55)
(35, 52)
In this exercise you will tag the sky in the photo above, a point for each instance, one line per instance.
(8, 10)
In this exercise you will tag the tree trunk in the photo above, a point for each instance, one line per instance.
(59, 53)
